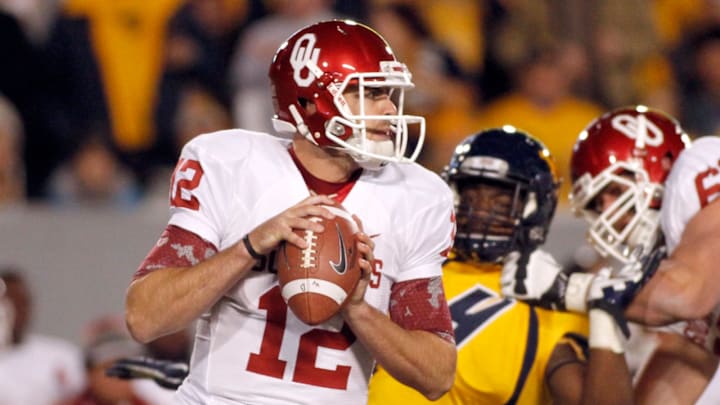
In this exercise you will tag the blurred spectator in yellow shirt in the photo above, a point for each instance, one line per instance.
(543, 104)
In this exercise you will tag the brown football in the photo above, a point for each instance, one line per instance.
(316, 281)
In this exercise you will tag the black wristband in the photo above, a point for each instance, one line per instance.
(255, 255)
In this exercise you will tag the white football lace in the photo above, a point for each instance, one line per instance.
(308, 254)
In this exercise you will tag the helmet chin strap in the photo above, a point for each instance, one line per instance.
(300, 125)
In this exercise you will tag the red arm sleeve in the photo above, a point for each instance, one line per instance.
(421, 305)
(176, 247)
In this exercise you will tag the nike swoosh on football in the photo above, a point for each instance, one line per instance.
(341, 267)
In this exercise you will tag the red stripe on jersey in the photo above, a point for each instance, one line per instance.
(176, 247)
(421, 305)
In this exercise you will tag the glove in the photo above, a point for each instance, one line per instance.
(167, 374)
(642, 270)
(535, 278)
(619, 287)
(612, 292)
(607, 297)
(539, 280)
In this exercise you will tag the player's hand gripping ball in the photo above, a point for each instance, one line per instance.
(316, 281)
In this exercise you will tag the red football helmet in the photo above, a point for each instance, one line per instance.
(317, 64)
(630, 151)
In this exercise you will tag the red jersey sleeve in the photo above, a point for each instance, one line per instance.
(176, 247)
(421, 305)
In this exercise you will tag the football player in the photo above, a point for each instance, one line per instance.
(338, 94)
(685, 287)
(620, 165)
(510, 352)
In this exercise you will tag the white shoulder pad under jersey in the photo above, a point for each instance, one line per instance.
(694, 182)
(223, 176)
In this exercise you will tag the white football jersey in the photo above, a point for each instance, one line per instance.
(249, 348)
(694, 182)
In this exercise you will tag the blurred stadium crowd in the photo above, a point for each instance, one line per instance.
(98, 97)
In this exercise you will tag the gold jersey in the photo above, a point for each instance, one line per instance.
(503, 345)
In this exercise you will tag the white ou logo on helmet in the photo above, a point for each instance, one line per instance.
(633, 127)
(304, 56)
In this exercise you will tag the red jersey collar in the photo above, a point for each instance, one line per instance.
(337, 191)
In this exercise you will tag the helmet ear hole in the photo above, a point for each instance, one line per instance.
(310, 107)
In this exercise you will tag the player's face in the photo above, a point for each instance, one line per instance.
(486, 208)
(607, 197)
(377, 101)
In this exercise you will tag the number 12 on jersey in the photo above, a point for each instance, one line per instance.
(267, 361)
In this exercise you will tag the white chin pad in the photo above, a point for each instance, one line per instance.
(383, 148)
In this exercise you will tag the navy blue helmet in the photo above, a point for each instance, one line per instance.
(505, 186)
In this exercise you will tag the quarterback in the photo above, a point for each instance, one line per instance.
(236, 195)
